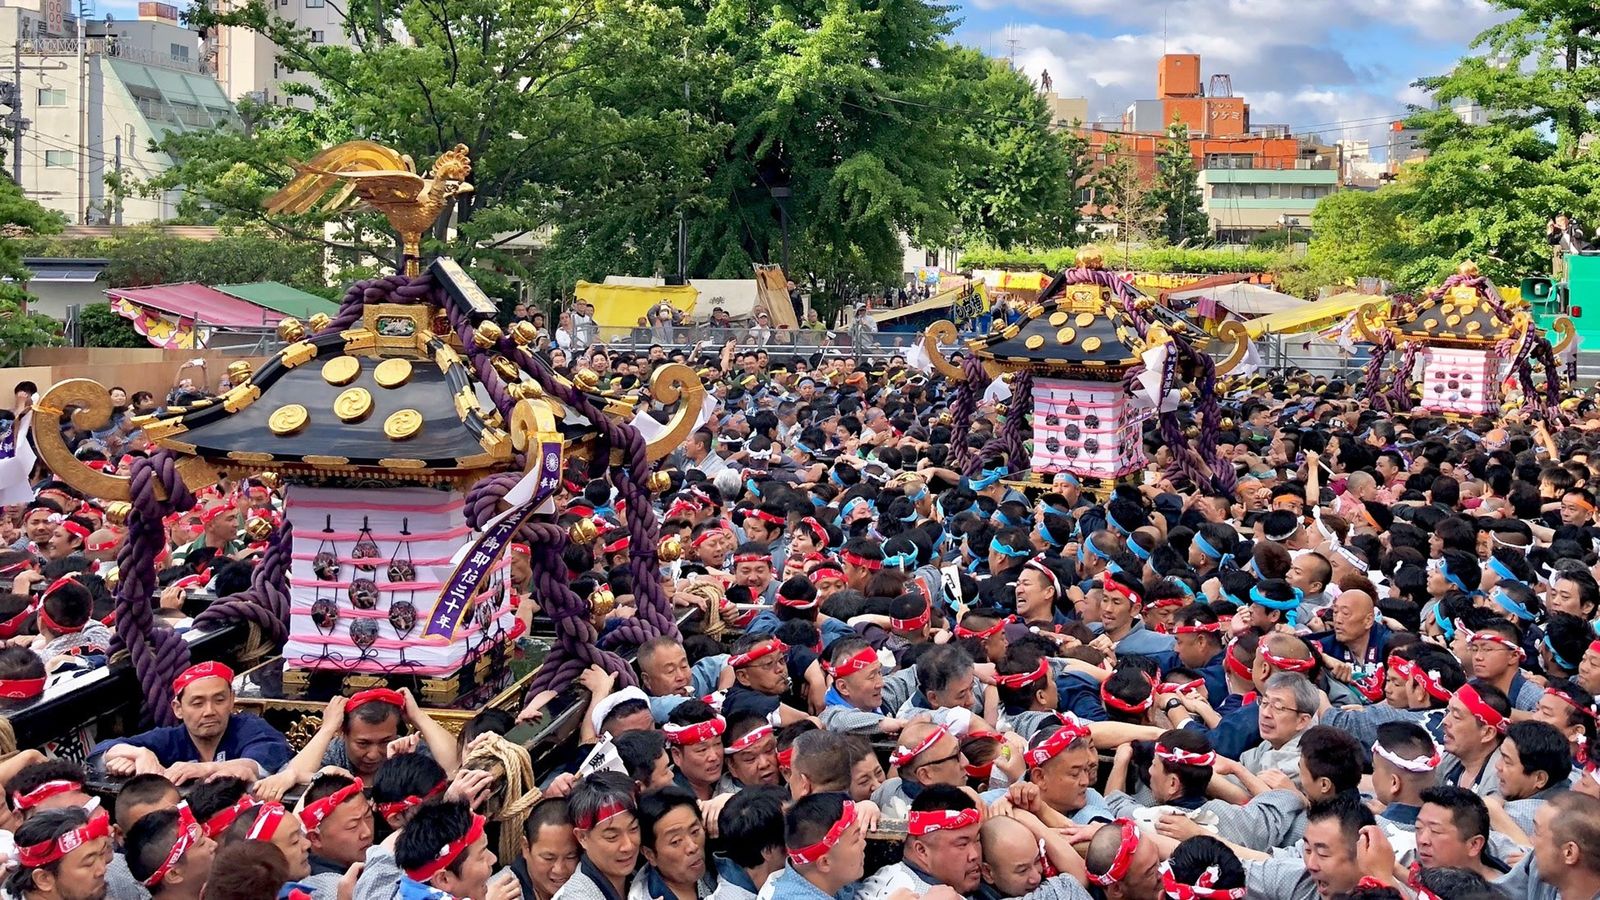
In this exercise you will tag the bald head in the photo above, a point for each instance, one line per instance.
(1010, 857)
(104, 538)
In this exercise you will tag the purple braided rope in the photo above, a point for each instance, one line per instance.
(577, 645)
(1399, 394)
(964, 410)
(1017, 428)
(158, 654)
(1372, 385)
(265, 603)
(631, 484)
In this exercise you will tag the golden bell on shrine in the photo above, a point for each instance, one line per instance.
(117, 512)
(239, 372)
(259, 528)
(291, 330)
(320, 321)
(268, 479)
(670, 549)
(659, 482)
(586, 380)
(487, 334)
(506, 369)
(583, 531)
(602, 601)
(524, 333)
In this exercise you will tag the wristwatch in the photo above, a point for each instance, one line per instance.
(1171, 704)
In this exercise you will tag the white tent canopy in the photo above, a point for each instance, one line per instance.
(1244, 300)
(736, 295)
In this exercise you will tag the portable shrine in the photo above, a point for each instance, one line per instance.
(1080, 390)
(416, 441)
(1468, 340)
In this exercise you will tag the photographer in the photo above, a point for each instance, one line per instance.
(1567, 237)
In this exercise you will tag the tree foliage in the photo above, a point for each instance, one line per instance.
(99, 326)
(1484, 192)
(816, 132)
(1176, 196)
(1016, 184)
(20, 330)
(148, 255)
(1125, 199)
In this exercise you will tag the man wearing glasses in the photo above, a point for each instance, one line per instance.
(1288, 707)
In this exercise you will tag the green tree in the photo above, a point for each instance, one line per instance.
(1124, 198)
(1176, 193)
(1013, 181)
(18, 329)
(99, 326)
(1536, 70)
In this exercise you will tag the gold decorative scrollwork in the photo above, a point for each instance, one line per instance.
(1563, 326)
(1240, 336)
(942, 332)
(1370, 322)
(676, 383)
(95, 413)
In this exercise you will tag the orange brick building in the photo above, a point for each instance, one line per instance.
(1220, 136)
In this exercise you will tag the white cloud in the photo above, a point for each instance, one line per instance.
(1292, 60)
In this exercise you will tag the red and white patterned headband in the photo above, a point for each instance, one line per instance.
(1177, 756)
(903, 755)
(699, 732)
(749, 739)
(765, 648)
(1071, 731)
(1419, 765)
(803, 856)
(921, 823)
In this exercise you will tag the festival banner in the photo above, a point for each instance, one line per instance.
(539, 485)
(160, 331)
(16, 462)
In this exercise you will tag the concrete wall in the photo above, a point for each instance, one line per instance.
(150, 369)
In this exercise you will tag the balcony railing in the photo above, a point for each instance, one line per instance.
(116, 49)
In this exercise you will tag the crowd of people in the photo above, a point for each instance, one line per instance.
(1367, 673)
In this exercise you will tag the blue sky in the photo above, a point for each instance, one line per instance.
(1335, 67)
(1339, 68)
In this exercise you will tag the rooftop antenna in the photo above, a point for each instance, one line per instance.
(1012, 41)
(1166, 15)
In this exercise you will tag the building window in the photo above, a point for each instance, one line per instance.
(52, 96)
(58, 159)
(316, 37)
(179, 51)
(314, 4)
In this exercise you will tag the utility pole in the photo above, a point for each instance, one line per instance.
(18, 123)
(83, 116)
(117, 200)
(683, 227)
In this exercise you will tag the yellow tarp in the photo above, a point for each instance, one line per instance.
(621, 305)
(1316, 315)
(1006, 280)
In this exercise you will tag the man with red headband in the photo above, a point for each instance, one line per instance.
(761, 678)
(61, 854)
(70, 536)
(826, 849)
(854, 701)
(212, 739)
(219, 531)
(360, 732)
(1121, 605)
(942, 847)
(338, 821)
(39, 524)
(753, 568)
(926, 756)
(1474, 728)
(67, 627)
(169, 854)
(442, 852)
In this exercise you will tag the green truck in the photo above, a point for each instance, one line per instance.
(1577, 298)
